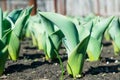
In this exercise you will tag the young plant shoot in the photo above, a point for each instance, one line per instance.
(114, 32)
(76, 49)
(17, 20)
(95, 44)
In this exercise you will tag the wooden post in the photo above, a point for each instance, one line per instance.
(4, 5)
(34, 3)
(64, 10)
(98, 7)
(55, 6)
(62, 6)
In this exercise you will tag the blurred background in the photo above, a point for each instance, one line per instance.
(67, 7)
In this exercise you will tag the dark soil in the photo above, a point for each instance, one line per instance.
(32, 66)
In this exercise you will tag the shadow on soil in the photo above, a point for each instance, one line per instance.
(104, 60)
(103, 69)
(107, 43)
(21, 67)
(31, 56)
(30, 47)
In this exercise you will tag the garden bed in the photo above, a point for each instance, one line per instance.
(31, 65)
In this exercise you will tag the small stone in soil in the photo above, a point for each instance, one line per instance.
(108, 51)
(45, 77)
(56, 64)
(107, 62)
(3, 77)
(116, 61)
(103, 74)
(57, 75)
(35, 60)
(24, 50)
(33, 72)
(25, 60)
(43, 59)
(111, 57)
(78, 76)
(113, 72)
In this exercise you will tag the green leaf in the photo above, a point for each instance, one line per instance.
(5, 13)
(50, 48)
(100, 27)
(114, 32)
(107, 35)
(116, 48)
(14, 15)
(76, 59)
(37, 29)
(94, 49)
(6, 26)
(49, 27)
(56, 38)
(3, 56)
(95, 45)
(19, 24)
(85, 30)
(13, 46)
(67, 27)
(53, 43)
(34, 39)
(1, 23)
(39, 39)
(43, 40)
